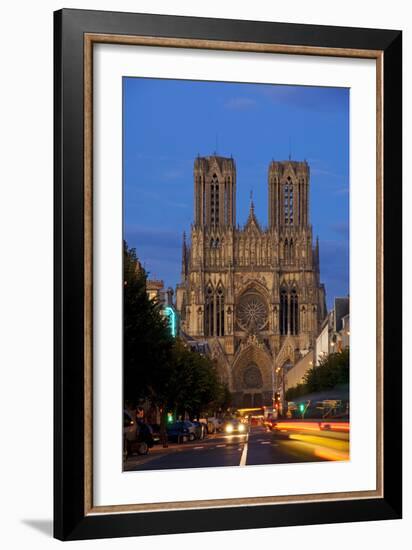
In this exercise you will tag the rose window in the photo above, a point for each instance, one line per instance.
(252, 377)
(251, 312)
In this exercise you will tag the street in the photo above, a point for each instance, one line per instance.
(303, 442)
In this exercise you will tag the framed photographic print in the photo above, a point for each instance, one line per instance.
(227, 274)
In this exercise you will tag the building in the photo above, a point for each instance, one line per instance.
(252, 292)
(296, 375)
(156, 291)
(334, 335)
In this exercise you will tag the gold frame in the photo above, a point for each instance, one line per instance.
(89, 40)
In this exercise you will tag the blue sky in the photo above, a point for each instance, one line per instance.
(167, 123)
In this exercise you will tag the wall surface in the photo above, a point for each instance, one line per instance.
(26, 275)
(296, 374)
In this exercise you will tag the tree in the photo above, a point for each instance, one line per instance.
(146, 338)
(156, 366)
(223, 399)
(296, 391)
(194, 382)
(332, 371)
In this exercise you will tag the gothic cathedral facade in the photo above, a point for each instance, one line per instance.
(252, 293)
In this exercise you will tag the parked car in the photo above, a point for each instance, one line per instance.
(137, 436)
(155, 433)
(214, 425)
(181, 431)
(200, 429)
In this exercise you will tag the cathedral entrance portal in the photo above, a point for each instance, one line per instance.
(251, 400)
(252, 381)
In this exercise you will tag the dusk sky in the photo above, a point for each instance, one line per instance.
(167, 123)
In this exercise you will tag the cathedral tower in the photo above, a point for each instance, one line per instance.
(215, 191)
(288, 194)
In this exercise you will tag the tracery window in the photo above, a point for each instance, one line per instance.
(252, 311)
(288, 250)
(252, 377)
(220, 312)
(209, 312)
(288, 202)
(214, 201)
(294, 313)
(214, 311)
(283, 312)
(289, 312)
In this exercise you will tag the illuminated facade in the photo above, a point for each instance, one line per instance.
(252, 292)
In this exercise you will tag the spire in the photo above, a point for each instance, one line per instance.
(252, 220)
(252, 206)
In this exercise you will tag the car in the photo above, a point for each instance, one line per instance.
(155, 433)
(181, 430)
(137, 436)
(234, 426)
(214, 425)
(200, 429)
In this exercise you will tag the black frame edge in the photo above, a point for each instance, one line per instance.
(68, 278)
(235, 518)
(70, 523)
(392, 179)
(57, 290)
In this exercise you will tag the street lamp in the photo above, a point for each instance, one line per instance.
(282, 384)
(273, 387)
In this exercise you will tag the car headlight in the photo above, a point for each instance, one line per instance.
(241, 427)
(229, 428)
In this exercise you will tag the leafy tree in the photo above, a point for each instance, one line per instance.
(194, 382)
(332, 371)
(147, 341)
(223, 399)
(296, 391)
(157, 367)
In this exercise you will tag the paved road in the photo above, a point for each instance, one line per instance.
(256, 447)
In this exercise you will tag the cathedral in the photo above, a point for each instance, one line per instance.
(253, 293)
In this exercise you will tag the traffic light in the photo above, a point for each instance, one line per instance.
(302, 407)
(276, 400)
(169, 417)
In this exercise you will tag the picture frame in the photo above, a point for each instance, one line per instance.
(76, 32)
